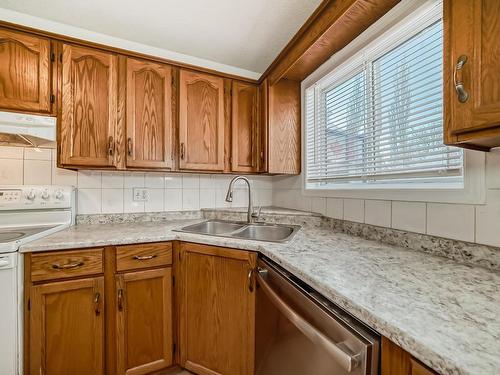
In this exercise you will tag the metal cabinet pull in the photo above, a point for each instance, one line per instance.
(97, 297)
(67, 266)
(462, 94)
(250, 280)
(144, 257)
(120, 299)
(129, 146)
(111, 146)
(182, 150)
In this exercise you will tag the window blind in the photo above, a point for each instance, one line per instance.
(380, 118)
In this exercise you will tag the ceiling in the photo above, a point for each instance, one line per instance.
(246, 34)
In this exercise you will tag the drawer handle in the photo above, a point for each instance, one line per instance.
(97, 297)
(250, 280)
(120, 299)
(462, 94)
(144, 257)
(67, 266)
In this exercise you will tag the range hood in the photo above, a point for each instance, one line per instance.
(20, 129)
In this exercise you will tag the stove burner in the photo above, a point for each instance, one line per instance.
(11, 236)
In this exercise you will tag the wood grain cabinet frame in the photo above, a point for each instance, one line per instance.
(25, 72)
(201, 121)
(472, 52)
(245, 145)
(89, 107)
(148, 141)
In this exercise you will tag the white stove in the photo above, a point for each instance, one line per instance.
(27, 213)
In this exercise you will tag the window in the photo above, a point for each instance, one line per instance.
(376, 119)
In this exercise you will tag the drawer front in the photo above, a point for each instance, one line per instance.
(64, 264)
(135, 257)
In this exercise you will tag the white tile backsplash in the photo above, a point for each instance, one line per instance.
(154, 180)
(37, 172)
(112, 201)
(354, 210)
(129, 205)
(134, 180)
(89, 179)
(190, 199)
(89, 201)
(378, 213)
(155, 202)
(112, 179)
(207, 198)
(190, 181)
(173, 199)
(451, 221)
(37, 154)
(11, 172)
(410, 216)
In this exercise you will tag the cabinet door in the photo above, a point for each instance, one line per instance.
(24, 72)
(89, 107)
(144, 321)
(149, 108)
(471, 36)
(201, 121)
(67, 328)
(245, 126)
(217, 310)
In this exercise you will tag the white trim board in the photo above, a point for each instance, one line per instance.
(91, 36)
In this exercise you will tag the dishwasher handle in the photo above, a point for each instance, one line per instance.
(345, 360)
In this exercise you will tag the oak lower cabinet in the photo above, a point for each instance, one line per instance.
(396, 361)
(87, 132)
(25, 72)
(202, 121)
(472, 73)
(216, 310)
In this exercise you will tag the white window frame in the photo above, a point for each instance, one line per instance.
(406, 14)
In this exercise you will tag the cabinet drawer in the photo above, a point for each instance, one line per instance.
(143, 256)
(64, 264)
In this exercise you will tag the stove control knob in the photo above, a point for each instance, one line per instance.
(31, 195)
(45, 195)
(59, 195)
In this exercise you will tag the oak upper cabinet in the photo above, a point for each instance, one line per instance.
(245, 149)
(201, 121)
(472, 73)
(144, 322)
(25, 72)
(280, 129)
(149, 115)
(216, 310)
(67, 327)
(87, 132)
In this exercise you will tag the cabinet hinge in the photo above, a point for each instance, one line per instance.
(52, 98)
(52, 56)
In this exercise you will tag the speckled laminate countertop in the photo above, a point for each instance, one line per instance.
(444, 313)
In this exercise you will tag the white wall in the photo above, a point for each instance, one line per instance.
(111, 192)
(467, 222)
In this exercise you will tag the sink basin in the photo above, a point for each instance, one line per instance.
(213, 227)
(263, 232)
(256, 232)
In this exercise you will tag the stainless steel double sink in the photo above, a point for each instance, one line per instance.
(242, 230)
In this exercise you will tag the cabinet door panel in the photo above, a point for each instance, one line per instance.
(67, 328)
(144, 321)
(217, 308)
(471, 30)
(245, 126)
(24, 72)
(89, 107)
(201, 121)
(149, 125)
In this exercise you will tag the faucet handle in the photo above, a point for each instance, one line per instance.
(256, 214)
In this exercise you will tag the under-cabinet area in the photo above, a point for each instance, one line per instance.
(150, 308)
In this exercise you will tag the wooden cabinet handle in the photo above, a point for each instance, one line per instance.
(144, 257)
(96, 303)
(111, 146)
(67, 266)
(120, 299)
(182, 150)
(129, 146)
(462, 94)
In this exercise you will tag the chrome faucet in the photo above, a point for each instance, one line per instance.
(251, 216)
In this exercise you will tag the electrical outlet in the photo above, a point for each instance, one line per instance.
(140, 194)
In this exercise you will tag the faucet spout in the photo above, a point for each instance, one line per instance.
(229, 195)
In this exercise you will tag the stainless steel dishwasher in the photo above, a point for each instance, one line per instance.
(299, 332)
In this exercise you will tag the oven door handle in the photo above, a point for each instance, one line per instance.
(346, 361)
